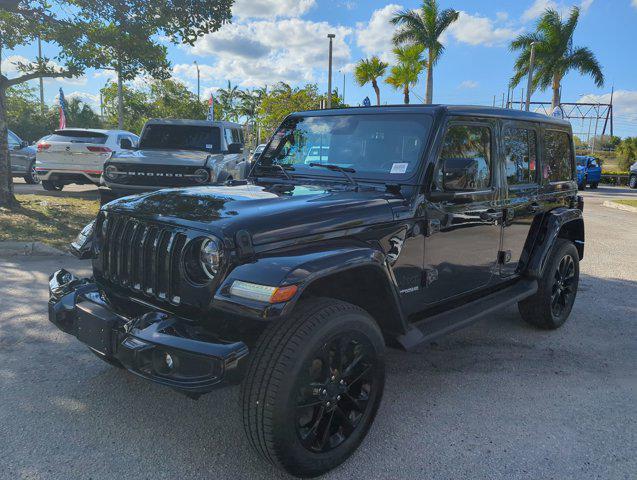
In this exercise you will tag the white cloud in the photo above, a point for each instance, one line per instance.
(267, 51)
(8, 65)
(624, 102)
(479, 30)
(468, 84)
(92, 100)
(271, 8)
(538, 7)
(375, 36)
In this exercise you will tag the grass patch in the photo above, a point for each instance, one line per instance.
(630, 203)
(55, 221)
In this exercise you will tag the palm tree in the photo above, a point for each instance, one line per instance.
(424, 27)
(410, 65)
(369, 70)
(227, 98)
(555, 54)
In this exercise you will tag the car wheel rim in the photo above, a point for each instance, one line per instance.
(34, 175)
(335, 392)
(563, 288)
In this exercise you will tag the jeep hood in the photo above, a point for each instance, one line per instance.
(268, 215)
(188, 158)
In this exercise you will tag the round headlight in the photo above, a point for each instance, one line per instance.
(201, 175)
(111, 172)
(211, 256)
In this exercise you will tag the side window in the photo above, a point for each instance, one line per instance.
(465, 161)
(236, 137)
(228, 134)
(14, 141)
(557, 157)
(520, 155)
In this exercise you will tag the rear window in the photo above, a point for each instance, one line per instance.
(78, 136)
(557, 165)
(181, 137)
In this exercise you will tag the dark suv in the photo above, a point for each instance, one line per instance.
(409, 223)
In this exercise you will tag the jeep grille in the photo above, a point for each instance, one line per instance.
(142, 256)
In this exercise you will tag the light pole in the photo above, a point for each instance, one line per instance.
(331, 36)
(529, 86)
(41, 81)
(198, 96)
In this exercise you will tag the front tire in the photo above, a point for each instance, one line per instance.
(594, 185)
(313, 386)
(50, 186)
(632, 182)
(551, 306)
(582, 186)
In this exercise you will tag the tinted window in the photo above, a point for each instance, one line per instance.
(382, 146)
(228, 133)
(181, 137)
(13, 139)
(78, 136)
(520, 155)
(557, 157)
(465, 160)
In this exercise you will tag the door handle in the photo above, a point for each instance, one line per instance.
(535, 208)
(491, 215)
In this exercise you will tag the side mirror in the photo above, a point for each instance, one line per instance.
(126, 144)
(235, 148)
(24, 144)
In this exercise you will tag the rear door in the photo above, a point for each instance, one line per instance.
(77, 150)
(19, 156)
(520, 153)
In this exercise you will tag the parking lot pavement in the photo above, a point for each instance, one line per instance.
(499, 400)
(84, 191)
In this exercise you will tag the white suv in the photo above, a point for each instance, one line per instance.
(77, 155)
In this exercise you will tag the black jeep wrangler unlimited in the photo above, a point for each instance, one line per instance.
(357, 229)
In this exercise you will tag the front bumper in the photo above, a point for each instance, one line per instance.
(156, 346)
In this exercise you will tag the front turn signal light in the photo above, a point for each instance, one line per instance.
(262, 293)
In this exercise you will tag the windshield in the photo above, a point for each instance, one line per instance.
(383, 147)
(181, 137)
(581, 161)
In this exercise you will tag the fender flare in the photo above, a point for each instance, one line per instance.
(559, 223)
(304, 266)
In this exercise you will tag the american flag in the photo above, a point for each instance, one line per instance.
(62, 102)
(211, 109)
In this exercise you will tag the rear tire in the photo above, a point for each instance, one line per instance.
(31, 176)
(551, 306)
(50, 186)
(582, 186)
(594, 185)
(313, 386)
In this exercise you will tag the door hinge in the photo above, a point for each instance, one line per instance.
(433, 226)
(504, 257)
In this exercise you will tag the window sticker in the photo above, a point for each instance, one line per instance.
(398, 168)
(208, 146)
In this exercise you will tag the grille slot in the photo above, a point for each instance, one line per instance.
(144, 257)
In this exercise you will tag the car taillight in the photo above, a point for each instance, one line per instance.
(43, 146)
(99, 149)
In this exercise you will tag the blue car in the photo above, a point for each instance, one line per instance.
(589, 172)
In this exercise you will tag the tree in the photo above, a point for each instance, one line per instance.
(369, 70)
(79, 114)
(21, 23)
(136, 104)
(410, 65)
(123, 36)
(423, 27)
(627, 153)
(555, 54)
(228, 98)
(24, 113)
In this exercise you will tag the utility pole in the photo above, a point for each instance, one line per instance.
(343, 89)
(41, 81)
(529, 86)
(331, 36)
(198, 84)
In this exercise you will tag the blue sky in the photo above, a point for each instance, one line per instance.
(271, 40)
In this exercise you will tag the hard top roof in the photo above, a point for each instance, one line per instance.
(189, 122)
(459, 110)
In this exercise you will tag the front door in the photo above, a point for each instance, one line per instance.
(463, 216)
(520, 170)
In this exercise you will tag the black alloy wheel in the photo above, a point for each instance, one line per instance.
(562, 293)
(334, 392)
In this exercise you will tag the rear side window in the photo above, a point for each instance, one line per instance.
(465, 160)
(557, 157)
(520, 155)
(13, 140)
(78, 136)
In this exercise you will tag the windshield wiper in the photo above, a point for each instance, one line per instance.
(284, 169)
(336, 168)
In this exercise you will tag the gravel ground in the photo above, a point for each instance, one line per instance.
(499, 400)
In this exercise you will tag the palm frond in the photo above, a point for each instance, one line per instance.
(584, 60)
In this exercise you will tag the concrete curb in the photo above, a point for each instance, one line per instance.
(29, 249)
(620, 206)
